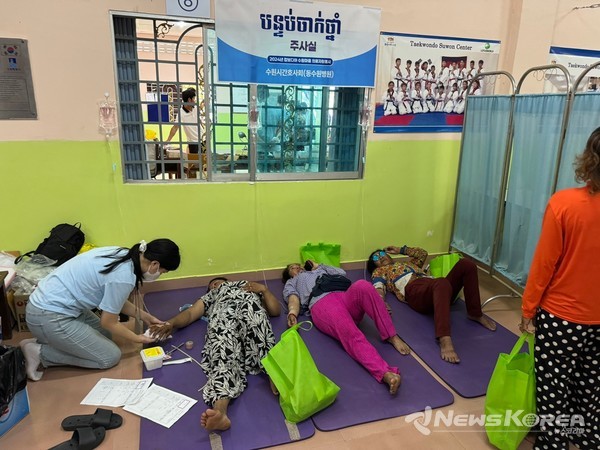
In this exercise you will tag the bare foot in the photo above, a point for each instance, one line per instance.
(399, 345)
(485, 321)
(273, 387)
(447, 350)
(213, 419)
(393, 381)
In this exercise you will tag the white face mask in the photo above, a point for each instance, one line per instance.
(150, 277)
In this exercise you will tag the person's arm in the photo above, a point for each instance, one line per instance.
(269, 301)
(543, 265)
(174, 129)
(418, 256)
(181, 320)
(131, 310)
(331, 270)
(293, 310)
(110, 322)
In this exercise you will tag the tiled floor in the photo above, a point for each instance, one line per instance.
(59, 392)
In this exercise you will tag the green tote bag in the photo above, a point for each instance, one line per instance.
(441, 265)
(511, 389)
(303, 390)
(321, 253)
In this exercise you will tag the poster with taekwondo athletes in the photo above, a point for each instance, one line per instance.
(298, 43)
(422, 81)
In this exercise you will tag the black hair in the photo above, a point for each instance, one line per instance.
(188, 94)
(214, 279)
(165, 251)
(285, 275)
(480, 61)
(408, 61)
(371, 266)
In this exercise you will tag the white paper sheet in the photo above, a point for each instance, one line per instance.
(161, 405)
(113, 392)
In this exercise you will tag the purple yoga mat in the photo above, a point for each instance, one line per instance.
(362, 399)
(257, 419)
(477, 347)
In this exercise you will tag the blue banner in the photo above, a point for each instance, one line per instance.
(287, 42)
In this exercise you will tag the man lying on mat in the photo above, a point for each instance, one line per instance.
(338, 313)
(426, 295)
(238, 326)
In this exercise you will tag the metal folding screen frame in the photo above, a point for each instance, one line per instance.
(517, 290)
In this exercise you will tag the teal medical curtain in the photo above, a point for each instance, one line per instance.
(482, 158)
(537, 127)
(584, 118)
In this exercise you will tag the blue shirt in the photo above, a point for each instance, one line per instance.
(303, 284)
(78, 285)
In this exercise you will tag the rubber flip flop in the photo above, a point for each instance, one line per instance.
(104, 418)
(86, 438)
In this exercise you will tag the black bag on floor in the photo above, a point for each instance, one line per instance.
(13, 377)
(64, 242)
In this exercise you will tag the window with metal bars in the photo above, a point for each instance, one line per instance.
(302, 132)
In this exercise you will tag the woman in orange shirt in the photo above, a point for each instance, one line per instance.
(561, 298)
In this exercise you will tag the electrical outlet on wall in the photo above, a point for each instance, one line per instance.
(429, 233)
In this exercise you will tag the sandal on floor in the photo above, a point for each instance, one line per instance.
(104, 418)
(86, 438)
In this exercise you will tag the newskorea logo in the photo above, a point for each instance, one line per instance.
(424, 421)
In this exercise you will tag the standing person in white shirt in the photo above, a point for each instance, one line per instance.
(432, 77)
(472, 71)
(397, 74)
(480, 70)
(407, 75)
(188, 118)
(444, 74)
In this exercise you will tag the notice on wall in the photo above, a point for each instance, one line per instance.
(16, 86)
(422, 81)
(299, 43)
(576, 61)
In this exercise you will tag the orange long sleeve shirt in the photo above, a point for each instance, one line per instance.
(563, 278)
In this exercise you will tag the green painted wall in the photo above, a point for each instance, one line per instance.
(408, 191)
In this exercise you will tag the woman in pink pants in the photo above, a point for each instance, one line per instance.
(338, 313)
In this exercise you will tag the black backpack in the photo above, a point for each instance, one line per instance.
(64, 242)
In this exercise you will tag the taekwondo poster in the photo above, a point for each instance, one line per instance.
(576, 61)
(422, 81)
(299, 43)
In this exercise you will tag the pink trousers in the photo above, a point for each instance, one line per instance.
(338, 315)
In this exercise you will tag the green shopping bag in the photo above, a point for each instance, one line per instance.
(322, 253)
(303, 390)
(511, 389)
(441, 265)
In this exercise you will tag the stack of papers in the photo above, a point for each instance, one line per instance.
(141, 397)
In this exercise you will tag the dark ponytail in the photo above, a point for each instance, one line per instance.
(165, 251)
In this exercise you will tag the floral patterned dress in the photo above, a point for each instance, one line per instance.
(239, 335)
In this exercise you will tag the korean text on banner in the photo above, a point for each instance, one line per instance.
(289, 42)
